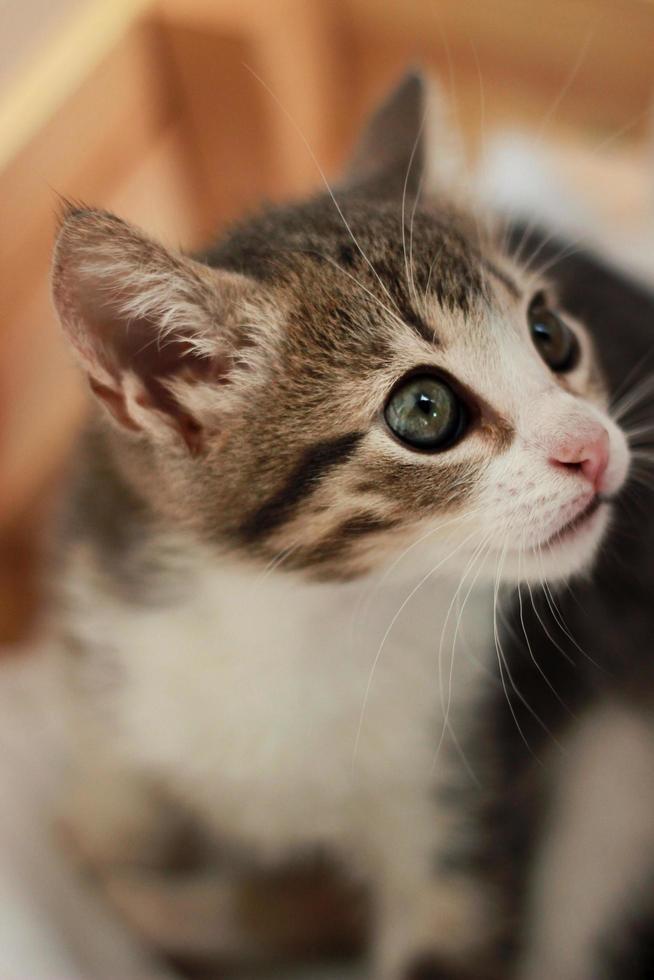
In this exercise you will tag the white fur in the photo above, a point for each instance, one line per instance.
(518, 489)
(593, 859)
(54, 924)
(248, 699)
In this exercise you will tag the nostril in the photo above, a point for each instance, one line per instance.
(567, 465)
(589, 457)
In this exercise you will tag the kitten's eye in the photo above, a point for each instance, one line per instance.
(555, 342)
(425, 413)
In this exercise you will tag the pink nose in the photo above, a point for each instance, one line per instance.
(588, 454)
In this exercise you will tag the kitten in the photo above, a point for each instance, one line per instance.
(313, 445)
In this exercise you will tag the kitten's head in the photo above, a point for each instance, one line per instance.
(345, 377)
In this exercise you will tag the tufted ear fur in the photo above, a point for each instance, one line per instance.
(154, 331)
(411, 138)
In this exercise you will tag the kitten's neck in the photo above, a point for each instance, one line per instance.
(412, 619)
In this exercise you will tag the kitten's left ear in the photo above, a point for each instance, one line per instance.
(409, 138)
(156, 333)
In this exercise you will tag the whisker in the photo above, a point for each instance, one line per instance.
(416, 143)
(622, 404)
(412, 283)
(387, 633)
(431, 269)
(327, 258)
(526, 704)
(500, 654)
(535, 275)
(558, 619)
(483, 150)
(367, 597)
(547, 118)
(554, 643)
(571, 246)
(321, 172)
(636, 435)
(477, 554)
(529, 646)
(273, 565)
(600, 147)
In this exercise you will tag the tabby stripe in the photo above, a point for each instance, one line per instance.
(336, 544)
(506, 280)
(314, 464)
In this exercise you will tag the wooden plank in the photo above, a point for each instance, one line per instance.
(223, 122)
(58, 70)
(85, 150)
(277, 62)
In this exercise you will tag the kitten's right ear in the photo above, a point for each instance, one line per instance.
(157, 333)
(410, 139)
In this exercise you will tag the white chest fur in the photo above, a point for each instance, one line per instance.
(286, 710)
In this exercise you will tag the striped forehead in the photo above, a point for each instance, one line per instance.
(374, 257)
(434, 264)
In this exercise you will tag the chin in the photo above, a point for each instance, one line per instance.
(562, 557)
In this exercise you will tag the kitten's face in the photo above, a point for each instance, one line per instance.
(443, 394)
(327, 395)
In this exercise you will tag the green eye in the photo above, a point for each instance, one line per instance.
(425, 413)
(555, 342)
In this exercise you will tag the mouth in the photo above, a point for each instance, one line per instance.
(579, 521)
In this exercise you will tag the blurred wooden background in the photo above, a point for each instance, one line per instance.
(180, 114)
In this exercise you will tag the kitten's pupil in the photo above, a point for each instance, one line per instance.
(424, 413)
(554, 340)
